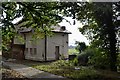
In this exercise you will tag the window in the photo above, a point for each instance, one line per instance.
(35, 51)
(26, 50)
(31, 51)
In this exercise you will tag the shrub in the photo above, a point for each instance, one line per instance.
(84, 56)
(62, 57)
(75, 62)
(118, 62)
(99, 59)
(61, 63)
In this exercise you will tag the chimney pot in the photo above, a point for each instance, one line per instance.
(63, 28)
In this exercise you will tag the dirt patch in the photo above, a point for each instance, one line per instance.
(10, 74)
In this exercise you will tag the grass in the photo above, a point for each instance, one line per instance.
(72, 51)
(64, 68)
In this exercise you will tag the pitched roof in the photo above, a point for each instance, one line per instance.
(56, 29)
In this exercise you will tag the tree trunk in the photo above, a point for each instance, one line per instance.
(112, 40)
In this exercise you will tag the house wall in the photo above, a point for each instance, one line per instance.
(18, 47)
(35, 44)
(19, 39)
(58, 39)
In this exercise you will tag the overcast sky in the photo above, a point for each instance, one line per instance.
(76, 35)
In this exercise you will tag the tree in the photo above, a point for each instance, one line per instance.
(100, 25)
(35, 15)
(105, 31)
(100, 20)
(81, 46)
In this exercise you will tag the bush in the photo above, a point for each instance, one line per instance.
(99, 59)
(75, 62)
(84, 56)
(66, 63)
(61, 63)
(118, 62)
(62, 57)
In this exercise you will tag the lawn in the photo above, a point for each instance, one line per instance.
(64, 68)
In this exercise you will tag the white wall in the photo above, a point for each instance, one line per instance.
(58, 39)
(38, 44)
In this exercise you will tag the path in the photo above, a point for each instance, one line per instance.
(30, 72)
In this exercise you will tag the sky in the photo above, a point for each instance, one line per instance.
(76, 35)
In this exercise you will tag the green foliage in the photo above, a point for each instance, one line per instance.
(63, 68)
(101, 24)
(75, 61)
(99, 19)
(0, 39)
(103, 29)
(81, 46)
(84, 73)
(37, 15)
(19, 38)
(62, 57)
(7, 39)
(99, 59)
(118, 62)
(39, 32)
(85, 56)
(61, 63)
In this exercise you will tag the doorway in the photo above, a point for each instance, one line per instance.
(57, 49)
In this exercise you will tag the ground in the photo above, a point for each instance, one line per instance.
(64, 68)
(7, 73)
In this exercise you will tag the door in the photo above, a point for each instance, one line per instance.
(57, 52)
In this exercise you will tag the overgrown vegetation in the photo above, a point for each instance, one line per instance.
(118, 63)
(99, 60)
(84, 57)
(95, 57)
(33, 14)
(67, 69)
(101, 25)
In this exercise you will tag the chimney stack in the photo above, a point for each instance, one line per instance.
(63, 28)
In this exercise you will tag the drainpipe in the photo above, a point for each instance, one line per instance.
(45, 42)
(45, 46)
